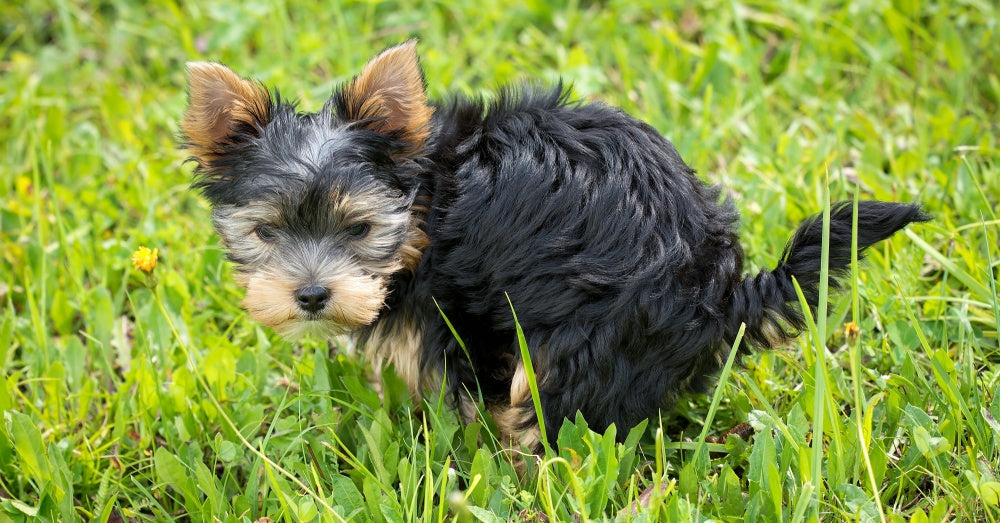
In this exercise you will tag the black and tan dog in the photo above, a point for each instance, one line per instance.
(624, 269)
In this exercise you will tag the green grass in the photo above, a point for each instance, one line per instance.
(156, 398)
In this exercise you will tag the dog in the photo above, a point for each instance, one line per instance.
(406, 222)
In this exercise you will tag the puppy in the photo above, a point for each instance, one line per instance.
(384, 214)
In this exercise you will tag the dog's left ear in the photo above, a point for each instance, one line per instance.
(390, 92)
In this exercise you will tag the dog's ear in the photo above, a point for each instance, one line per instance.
(390, 93)
(223, 108)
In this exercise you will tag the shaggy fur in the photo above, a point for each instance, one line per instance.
(624, 268)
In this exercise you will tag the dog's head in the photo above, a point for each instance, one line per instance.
(317, 210)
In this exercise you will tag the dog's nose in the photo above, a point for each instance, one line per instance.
(312, 298)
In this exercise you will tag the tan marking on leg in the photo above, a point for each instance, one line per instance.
(400, 345)
(521, 444)
(520, 391)
(517, 423)
(509, 421)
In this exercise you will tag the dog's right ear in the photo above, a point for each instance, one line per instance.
(223, 109)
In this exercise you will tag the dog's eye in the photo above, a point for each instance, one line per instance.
(358, 230)
(266, 233)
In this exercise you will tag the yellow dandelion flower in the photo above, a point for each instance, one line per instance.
(851, 330)
(144, 259)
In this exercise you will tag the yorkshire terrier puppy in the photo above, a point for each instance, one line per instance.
(624, 269)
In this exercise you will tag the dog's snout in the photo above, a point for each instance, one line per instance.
(312, 298)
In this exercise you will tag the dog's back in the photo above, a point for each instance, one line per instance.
(615, 256)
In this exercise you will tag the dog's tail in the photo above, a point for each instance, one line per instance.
(768, 303)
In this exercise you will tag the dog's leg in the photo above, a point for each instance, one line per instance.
(518, 428)
(517, 423)
(519, 435)
(398, 343)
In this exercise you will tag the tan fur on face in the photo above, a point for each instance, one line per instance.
(368, 209)
(355, 270)
(355, 301)
(391, 88)
(269, 300)
(218, 99)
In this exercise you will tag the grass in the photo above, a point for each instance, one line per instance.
(155, 398)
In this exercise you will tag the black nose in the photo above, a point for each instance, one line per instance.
(312, 298)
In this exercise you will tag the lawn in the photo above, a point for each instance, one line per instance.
(137, 396)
